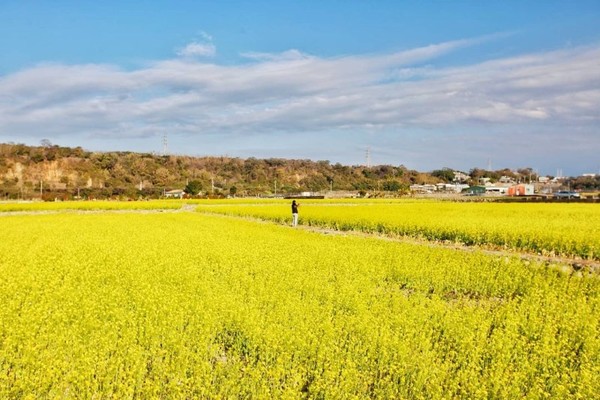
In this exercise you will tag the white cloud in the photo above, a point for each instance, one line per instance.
(295, 92)
(196, 49)
(288, 55)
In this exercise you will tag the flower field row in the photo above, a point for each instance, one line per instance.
(565, 229)
(90, 205)
(187, 305)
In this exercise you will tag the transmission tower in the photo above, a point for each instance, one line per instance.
(368, 157)
(165, 143)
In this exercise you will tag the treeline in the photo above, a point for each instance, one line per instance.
(50, 172)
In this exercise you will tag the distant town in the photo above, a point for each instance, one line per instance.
(526, 183)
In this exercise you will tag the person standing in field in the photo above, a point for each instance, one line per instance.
(295, 213)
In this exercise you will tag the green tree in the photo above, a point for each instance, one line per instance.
(193, 188)
(446, 174)
(392, 186)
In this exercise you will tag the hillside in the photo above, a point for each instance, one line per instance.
(52, 171)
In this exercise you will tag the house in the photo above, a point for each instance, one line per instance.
(457, 188)
(451, 187)
(521, 190)
(461, 176)
(506, 179)
(496, 189)
(423, 188)
(175, 194)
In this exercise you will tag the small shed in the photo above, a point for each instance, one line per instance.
(521, 190)
(474, 191)
(175, 194)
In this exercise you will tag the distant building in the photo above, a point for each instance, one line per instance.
(423, 188)
(521, 190)
(474, 191)
(496, 189)
(175, 194)
(506, 179)
(459, 188)
(460, 176)
(451, 187)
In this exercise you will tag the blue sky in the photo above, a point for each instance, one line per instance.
(426, 84)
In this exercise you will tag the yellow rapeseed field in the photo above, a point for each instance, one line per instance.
(188, 305)
(90, 205)
(564, 229)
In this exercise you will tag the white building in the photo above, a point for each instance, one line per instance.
(496, 190)
(460, 176)
(175, 194)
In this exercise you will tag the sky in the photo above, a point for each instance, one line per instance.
(424, 84)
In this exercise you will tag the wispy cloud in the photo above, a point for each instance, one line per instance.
(202, 47)
(288, 55)
(196, 49)
(295, 92)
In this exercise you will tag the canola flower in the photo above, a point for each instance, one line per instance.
(102, 205)
(186, 305)
(553, 229)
